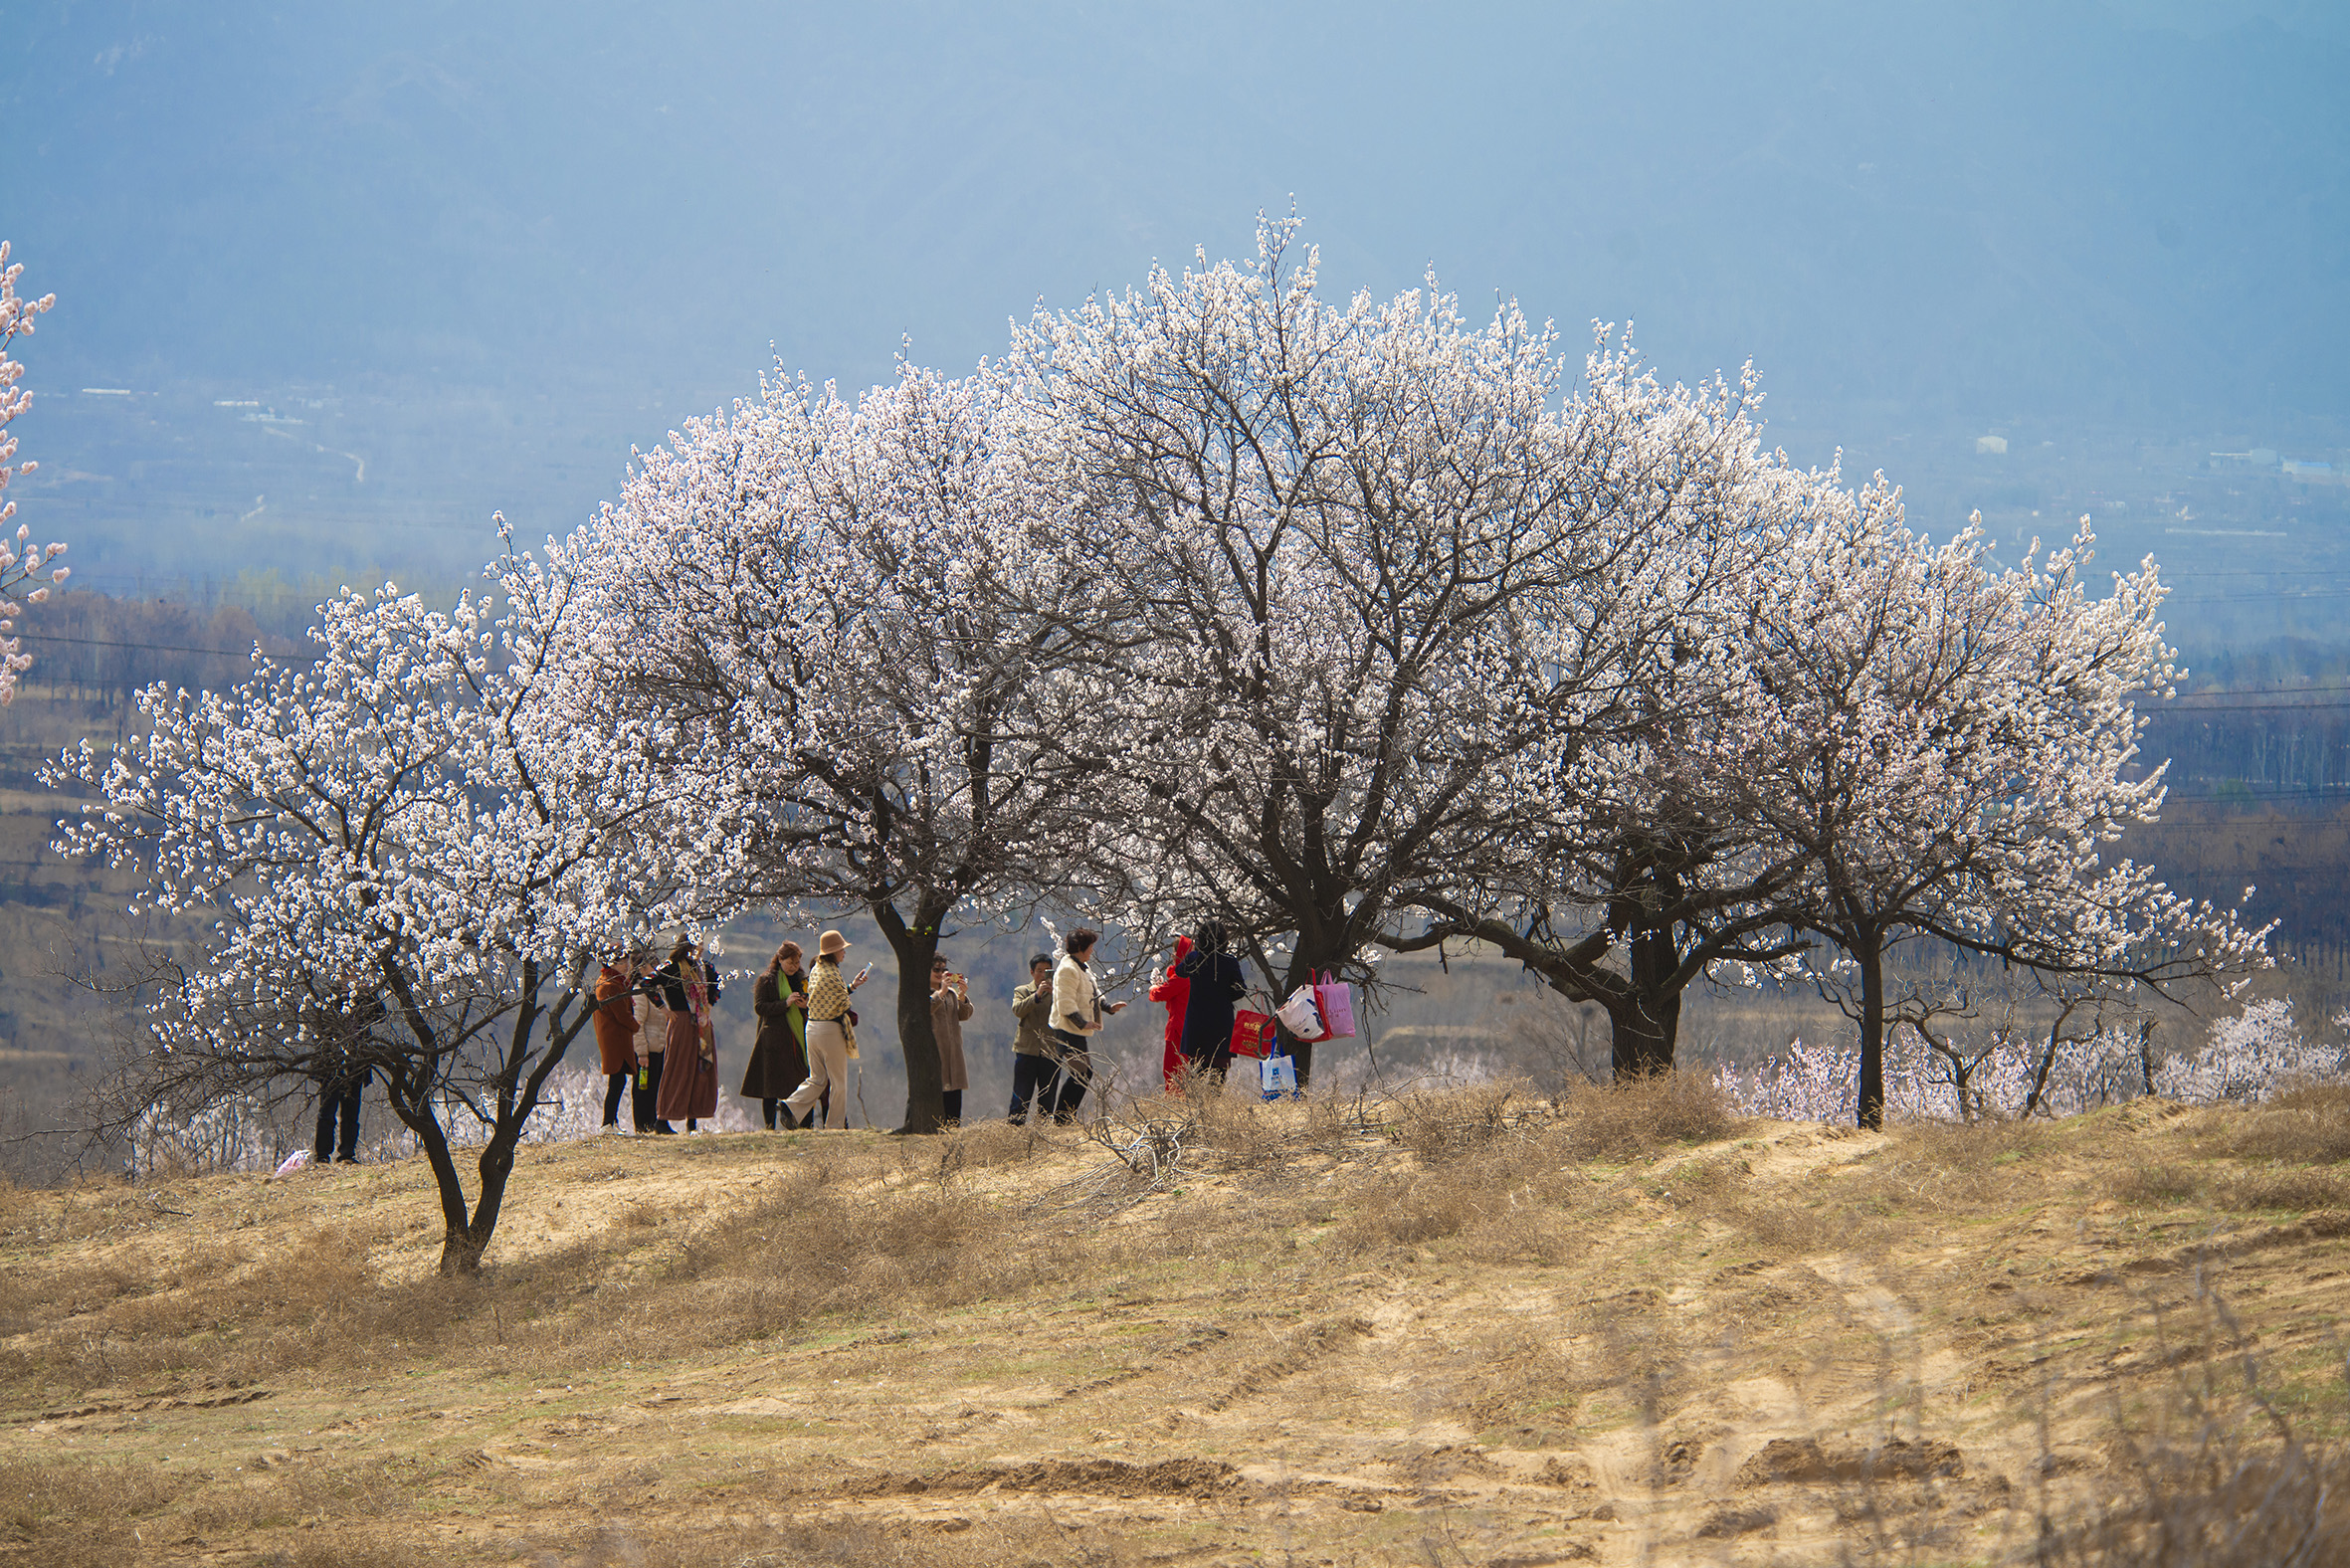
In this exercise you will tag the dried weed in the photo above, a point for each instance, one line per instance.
(1627, 1121)
(2295, 1190)
(2308, 1125)
(2156, 1185)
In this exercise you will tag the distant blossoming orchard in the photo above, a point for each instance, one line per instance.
(20, 562)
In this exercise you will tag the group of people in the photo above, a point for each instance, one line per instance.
(656, 1036)
(1061, 1009)
(658, 1046)
(652, 1030)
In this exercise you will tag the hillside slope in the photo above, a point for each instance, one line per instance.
(1456, 1330)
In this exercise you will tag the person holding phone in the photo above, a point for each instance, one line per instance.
(827, 1042)
(615, 1031)
(1077, 1011)
(1036, 1049)
(950, 1008)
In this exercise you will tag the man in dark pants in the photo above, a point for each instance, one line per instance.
(1036, 1055)
(343, 1074)
(338, 1097)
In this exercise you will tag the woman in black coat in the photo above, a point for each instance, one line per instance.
(779, 1059)
(1217, 983)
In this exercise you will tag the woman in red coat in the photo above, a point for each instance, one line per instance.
(1167, 987)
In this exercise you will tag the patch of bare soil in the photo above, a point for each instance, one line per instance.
(1476, 1328)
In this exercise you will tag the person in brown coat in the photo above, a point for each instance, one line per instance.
(779, 1058)
(950, 1006)
(688, 988)
(616, 1029)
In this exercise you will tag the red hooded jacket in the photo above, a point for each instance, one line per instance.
(1177, 995)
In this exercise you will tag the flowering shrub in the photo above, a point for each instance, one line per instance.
(2249, 1057)
(2246, 1059)
(1801, 1083)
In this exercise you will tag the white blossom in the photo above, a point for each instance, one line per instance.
(16, 567)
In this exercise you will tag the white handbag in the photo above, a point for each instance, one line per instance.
(1301, 1016)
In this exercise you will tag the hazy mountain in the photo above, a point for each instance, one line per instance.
(500, 244)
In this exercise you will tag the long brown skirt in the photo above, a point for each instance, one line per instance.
(689, 1080)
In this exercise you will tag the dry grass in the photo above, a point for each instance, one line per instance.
(2215, 1502)
(831, 1358)
(2157, 1185)
(2303, 1127)
(1633, 1120)
(2226, 1472)
(2299, 1191)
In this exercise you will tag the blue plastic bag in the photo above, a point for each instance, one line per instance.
(1278, 1073)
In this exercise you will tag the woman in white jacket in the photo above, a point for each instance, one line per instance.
(1077, 1011)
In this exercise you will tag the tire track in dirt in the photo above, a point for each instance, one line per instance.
(1308, 1348)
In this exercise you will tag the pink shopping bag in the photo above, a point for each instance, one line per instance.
(1337, 1005)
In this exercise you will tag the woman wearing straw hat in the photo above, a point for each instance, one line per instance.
(828, 1045)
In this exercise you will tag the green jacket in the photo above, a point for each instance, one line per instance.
(1032, 1006)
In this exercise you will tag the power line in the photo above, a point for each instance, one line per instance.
(158, 648)
(2244, 707)
(2339, 686)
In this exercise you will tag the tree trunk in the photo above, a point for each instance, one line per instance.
(411, 1103)
(1647, 1023)
(1868, 953)
(914, 945)
(1642, 1031)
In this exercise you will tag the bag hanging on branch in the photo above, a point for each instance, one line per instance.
(1301, 1017)
(1276, 1075)
(1253, 1032)
(1336, 1003)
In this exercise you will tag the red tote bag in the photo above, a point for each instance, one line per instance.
(1252, 1034)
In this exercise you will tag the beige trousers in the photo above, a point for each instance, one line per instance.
(828, 1065)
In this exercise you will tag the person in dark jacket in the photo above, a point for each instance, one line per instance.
(1217, 983)
(779, 1058)
(1036, 1051)
(339, 1093)
(343, 1076)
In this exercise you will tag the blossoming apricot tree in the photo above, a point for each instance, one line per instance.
(19, 561)
(406, 855)
(1955, 747)
(856, 629)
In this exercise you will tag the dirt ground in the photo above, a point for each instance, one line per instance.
(1454, 1329)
